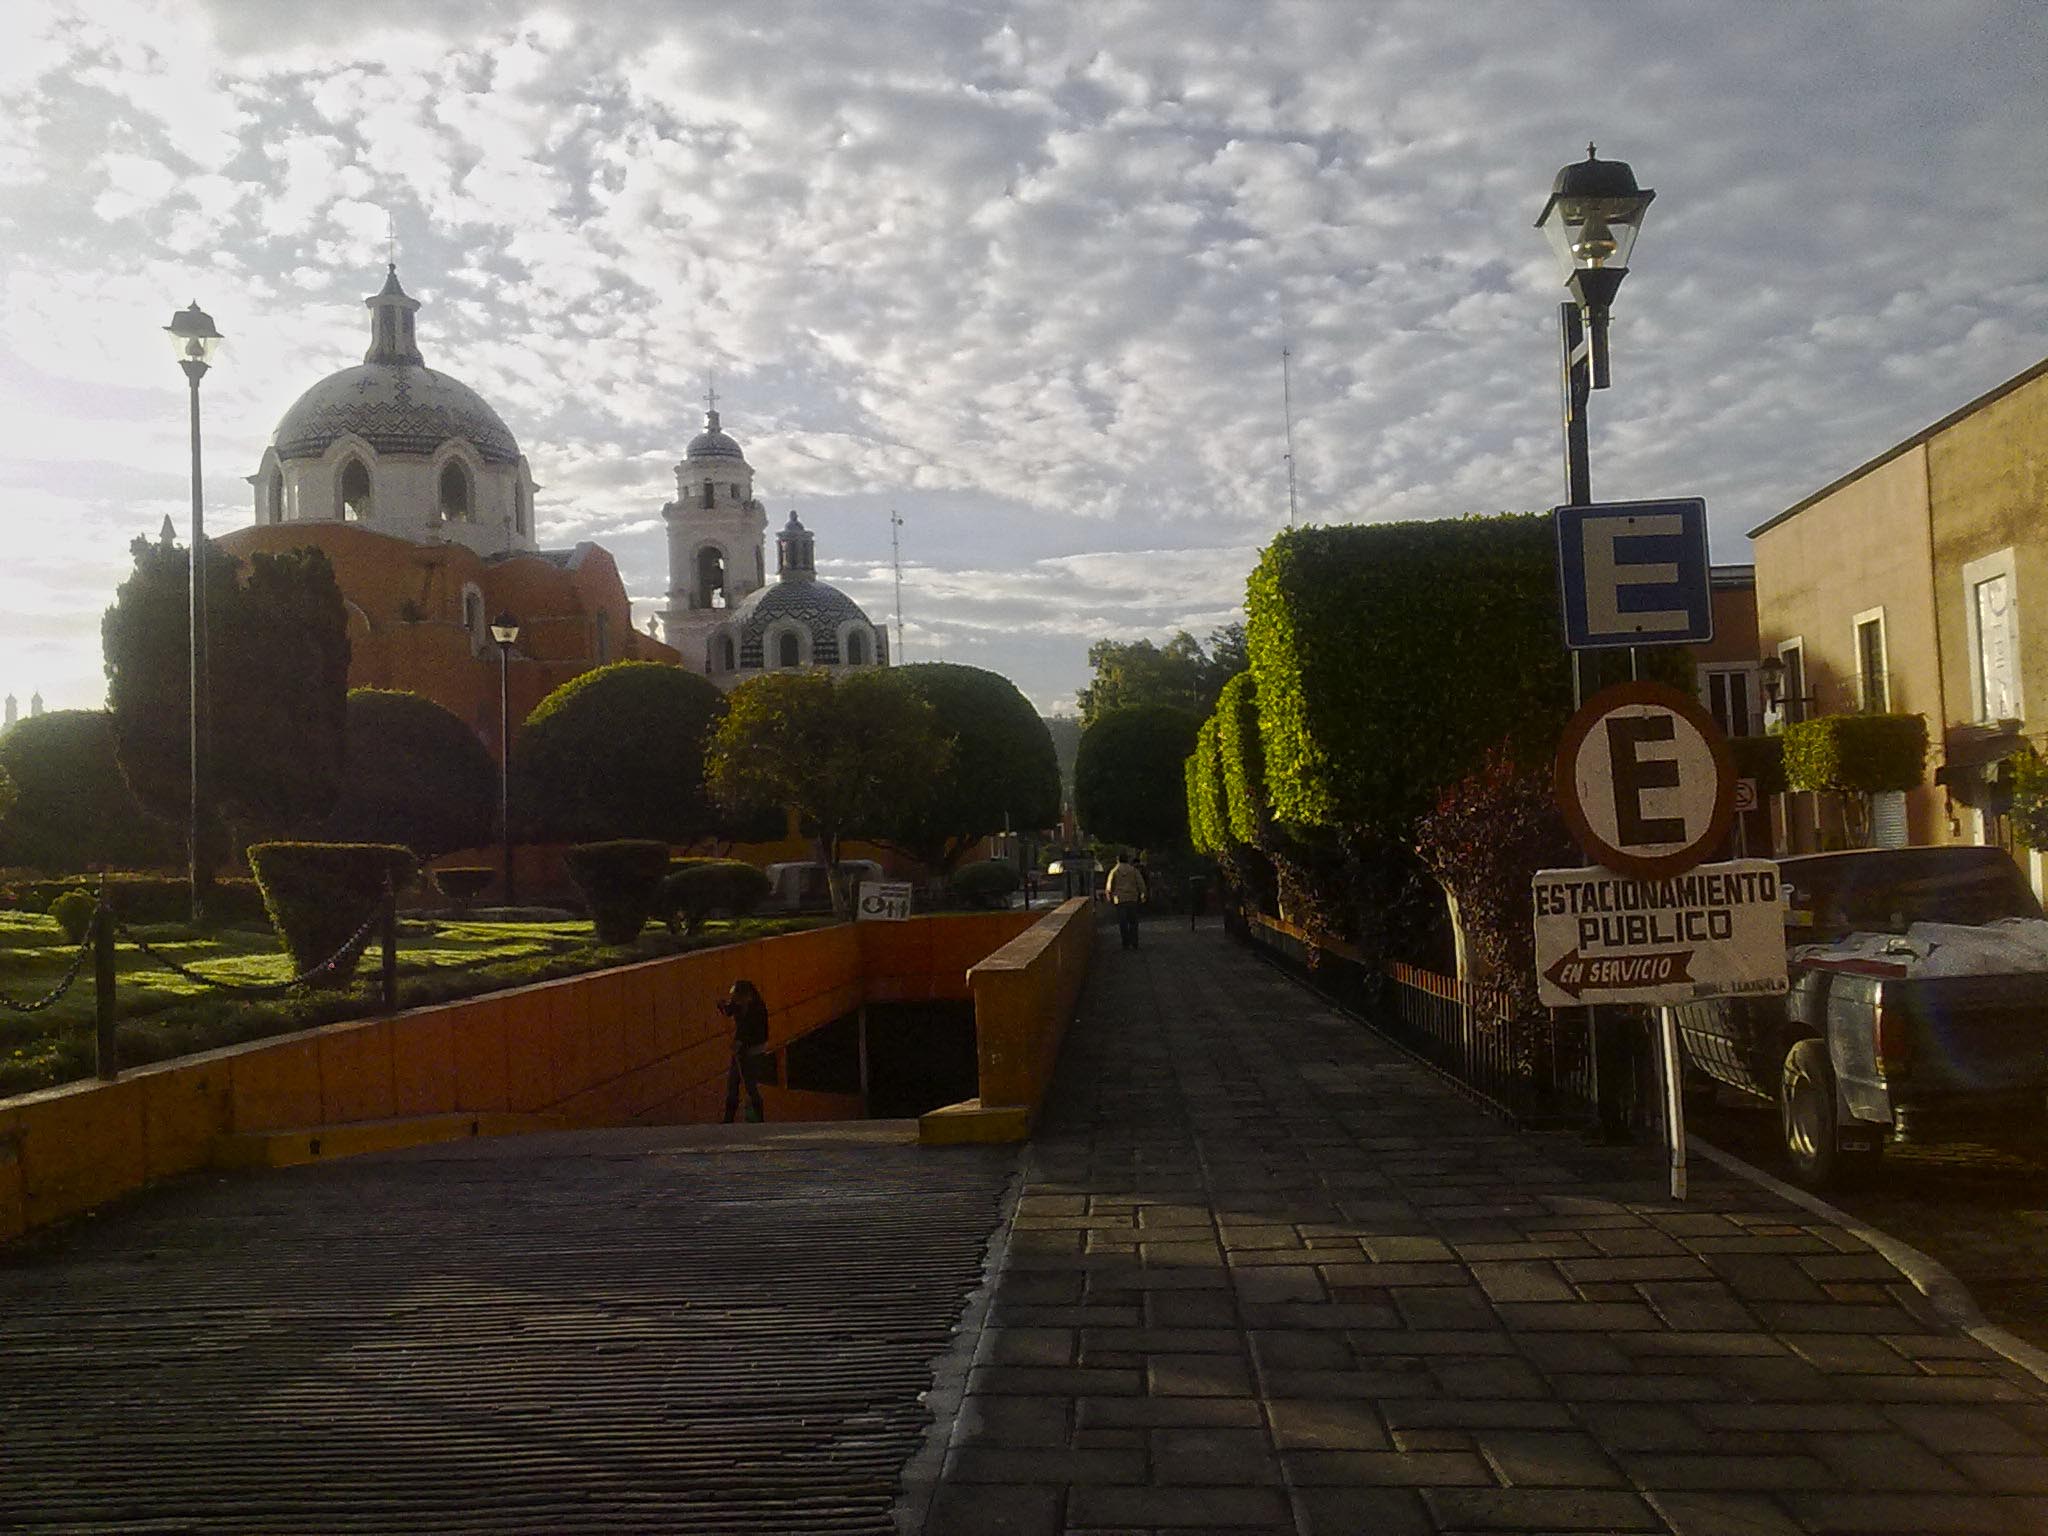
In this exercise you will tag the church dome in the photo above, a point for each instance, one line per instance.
(395, 408)
(820, 610)
(712, 443)
(392, 400)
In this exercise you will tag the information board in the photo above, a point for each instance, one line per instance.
(1607, 937)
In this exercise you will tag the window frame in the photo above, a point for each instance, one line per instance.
(1975, 574)
(1858, 623)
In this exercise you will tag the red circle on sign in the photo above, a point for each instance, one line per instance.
(1583, 724)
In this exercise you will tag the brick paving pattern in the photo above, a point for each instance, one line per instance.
(605, 1332)
(1266, 1273)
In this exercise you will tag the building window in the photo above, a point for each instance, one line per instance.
(1728, 700)
(521, 509)
(604, 637)
(727, 662)
(786, 649)
(473, 617)
(856, 649)
(709, 490)
(1873, 690)
(455, 500)
(1991, 608)
(710, 578)
(1792, 701)
(355, 492)
(275, 498)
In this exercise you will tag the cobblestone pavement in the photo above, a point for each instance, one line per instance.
(1266, 1273)
(1982, 1211)
(668, 1330)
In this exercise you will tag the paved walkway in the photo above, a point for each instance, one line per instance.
(700, 1329)
(1265, 1273)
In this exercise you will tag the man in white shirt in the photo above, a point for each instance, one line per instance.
(1126, 891)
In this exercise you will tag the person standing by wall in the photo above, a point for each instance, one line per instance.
(1126, 891)
(748, 1011)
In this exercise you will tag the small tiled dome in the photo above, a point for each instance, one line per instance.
(711, 443)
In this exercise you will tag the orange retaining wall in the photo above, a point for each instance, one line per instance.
(638, 1044)
(1025, 994)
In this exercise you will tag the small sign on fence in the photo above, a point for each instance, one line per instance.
(886, 901)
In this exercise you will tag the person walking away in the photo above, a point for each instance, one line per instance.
(1126, 891)
(749, 1014)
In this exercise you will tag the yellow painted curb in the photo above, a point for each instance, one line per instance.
(969, 1122)
(322, 1143)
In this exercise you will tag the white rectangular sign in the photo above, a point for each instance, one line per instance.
(886, 901)
(1603, 937)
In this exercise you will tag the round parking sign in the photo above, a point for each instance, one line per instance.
(1645, 780)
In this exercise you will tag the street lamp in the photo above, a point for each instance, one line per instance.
(505, 631)
(195, 341)
(1592, 219)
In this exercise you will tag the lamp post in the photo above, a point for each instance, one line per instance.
(1592, 218)
(505, 631)
(195, 341)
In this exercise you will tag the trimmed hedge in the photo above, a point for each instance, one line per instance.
(74, 810)
(1208, 828)
(2028, 776)
(1242, 760)
(1857, 754)
(701, 887)
(1761, 758)
(985, 883)
(416, 775)
(73, 911)
(1191, 777)
(618, 753)
(1130, 786)
(1389, 658)
(139, 898)
(619, 879)
(319, 894)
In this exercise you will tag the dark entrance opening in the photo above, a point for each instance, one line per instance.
(920, 1057)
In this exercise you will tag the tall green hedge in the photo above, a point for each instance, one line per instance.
(1191, 777)
(1130, 784)
(1390, 657)
(1242, 761)
(320, 894)
(1208, 828)
(1859, 754)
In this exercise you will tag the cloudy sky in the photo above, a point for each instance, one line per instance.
(1020, 271)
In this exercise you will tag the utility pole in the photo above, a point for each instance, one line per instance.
(1287, 409)
(896, 559)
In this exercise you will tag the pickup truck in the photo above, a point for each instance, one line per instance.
(1918, 1009)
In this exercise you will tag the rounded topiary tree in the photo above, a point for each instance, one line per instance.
(321, 895)
(619, 753)
(416, 775)
(619, 879)
(1004, 773)
(701, 887)
(1130, 781)
(986, 883)
(74, 810)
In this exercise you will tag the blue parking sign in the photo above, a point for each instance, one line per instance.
(1634, 573)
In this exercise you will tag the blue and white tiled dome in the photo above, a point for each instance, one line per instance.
(395, 408)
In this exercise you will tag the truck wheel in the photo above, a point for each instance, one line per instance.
(1806, 1109)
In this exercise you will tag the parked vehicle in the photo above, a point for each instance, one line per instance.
(799, 887)
(1918, 1009)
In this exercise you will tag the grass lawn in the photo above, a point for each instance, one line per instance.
(163, 1014)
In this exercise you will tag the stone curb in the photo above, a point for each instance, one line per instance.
(1929, 1276)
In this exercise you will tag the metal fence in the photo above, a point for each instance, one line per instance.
(1535, 1067)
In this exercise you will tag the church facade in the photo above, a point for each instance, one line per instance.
(724, 617)
(418, 494)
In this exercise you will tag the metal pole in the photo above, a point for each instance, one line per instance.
(194, 372)
(1674, 1098)
(107, 1057)
(505, 765)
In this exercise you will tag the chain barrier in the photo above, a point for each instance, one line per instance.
(355, 941)
(50, 997)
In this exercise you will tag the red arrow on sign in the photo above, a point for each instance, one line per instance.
(1576, 973)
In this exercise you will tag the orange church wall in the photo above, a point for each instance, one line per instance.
(406, 623)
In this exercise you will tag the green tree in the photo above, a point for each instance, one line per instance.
(1130, 781)
(417, 776)
(1179, 673)
(845, 753)
(75, 811)
(619, 753)
(277, 683)
(1004, 772)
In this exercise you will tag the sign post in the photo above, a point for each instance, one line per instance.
(1645, 781)
(886, 901)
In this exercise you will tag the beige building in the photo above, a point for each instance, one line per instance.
(1918, 584)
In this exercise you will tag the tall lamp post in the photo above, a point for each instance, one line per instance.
(505, 631)
(196, 341)
(1592, 218)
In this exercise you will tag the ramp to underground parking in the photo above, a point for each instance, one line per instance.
(689, 1329)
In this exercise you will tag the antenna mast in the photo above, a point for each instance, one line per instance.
(896, 558)
(1287, 409)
